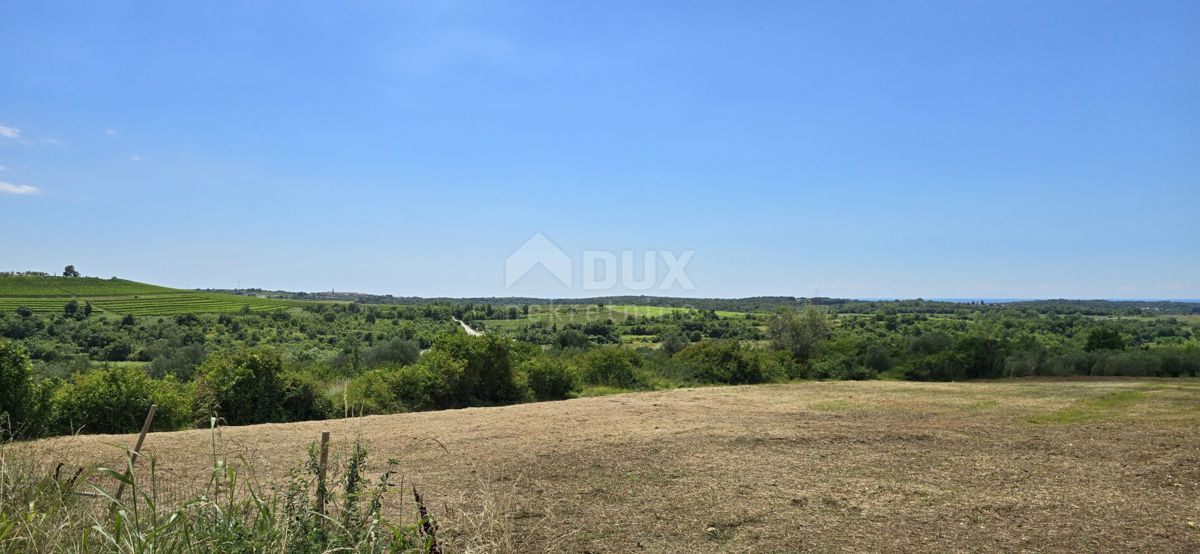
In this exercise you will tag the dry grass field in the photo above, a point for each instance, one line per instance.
(1051, 466)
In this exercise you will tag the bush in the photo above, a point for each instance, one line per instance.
(116, 400)
(877, 359)
(1135, 363)
(242, 387)
(969, 358)
(180, 362)
(1104, 338)
(303, 399)
(842, 367)
(371, 394)
(393, 352)
(1179, 362)
(487, 374)
(1072, 363)
(723, 361)
(434, 382)
(673, 342)
(611, 366)
(549, 378)
(433, 385)
(572, 338)
(118, 351)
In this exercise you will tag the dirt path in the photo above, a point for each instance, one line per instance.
(846, 466)
(466, 327)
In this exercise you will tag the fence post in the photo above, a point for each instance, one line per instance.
(321, 475)
(137, 449)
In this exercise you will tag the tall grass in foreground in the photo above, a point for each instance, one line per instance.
(43, 511)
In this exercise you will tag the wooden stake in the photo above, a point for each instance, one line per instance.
(137, 449)
(321, 473)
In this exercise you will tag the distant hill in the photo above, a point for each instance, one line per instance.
(121, 297)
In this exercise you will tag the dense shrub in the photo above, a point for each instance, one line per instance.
(572, 338)
(180, 362)
(549, 378)
(930, 343)
(841, 367)
(118, 351)
(248, 386)
(371, 394)
(488, 376)
(1104, 338)
(723, 361)
(1072, 363)
(673, 342)
(434, 382)
(241, 387)
(1178, 362)
(393, 352)
(877, 359)
(430, 385)
(611, 366)
(303, 399)
(971, 357)
(116, 400)
(1137, 363)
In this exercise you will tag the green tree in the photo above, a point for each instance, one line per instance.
(1104, 338)
(393, 352)
(69, 271)
(16, 389)
(573, 338)
(799, 333)
(877, 358)
(674, 342)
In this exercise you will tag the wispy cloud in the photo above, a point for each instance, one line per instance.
(3, 168)
(110, 132)
(9, 188)
(51, 141)
(10, 132)
(135, 158)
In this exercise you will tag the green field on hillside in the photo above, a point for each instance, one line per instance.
(659, 311)
(582, 314)
(27, 286)
(120, 297)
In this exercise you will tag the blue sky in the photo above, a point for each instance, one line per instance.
(858, 149)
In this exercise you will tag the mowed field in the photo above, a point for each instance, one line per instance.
(1048, 466)
(120, 297)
